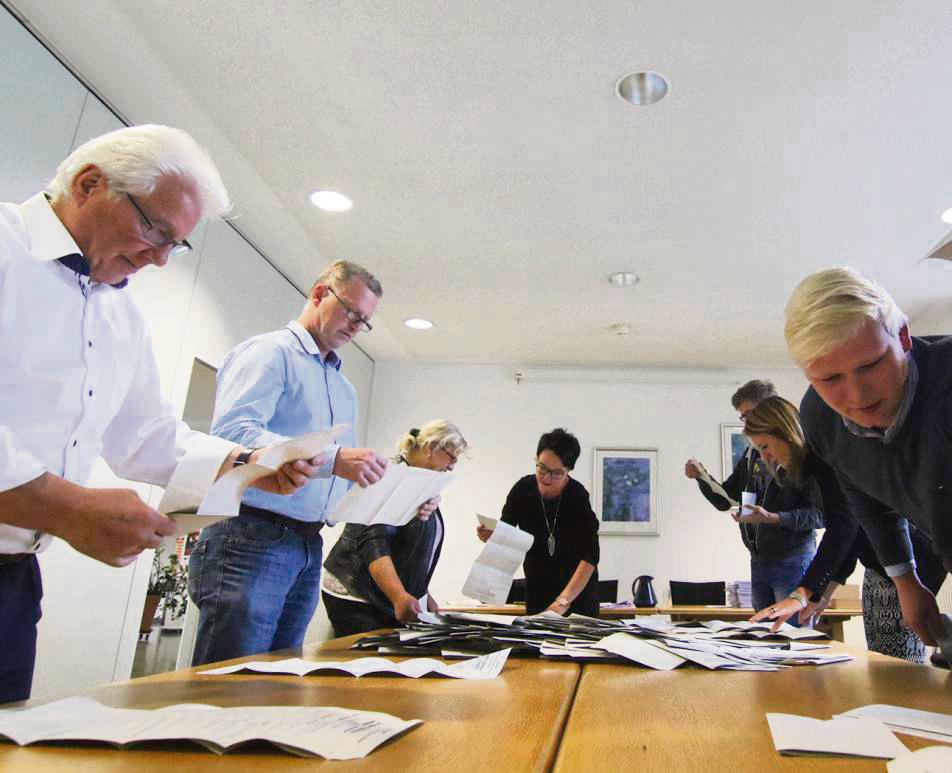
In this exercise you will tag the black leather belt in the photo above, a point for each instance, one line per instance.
(306, 529)
(12, 558)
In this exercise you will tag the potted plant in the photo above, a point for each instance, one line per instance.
(167, 580)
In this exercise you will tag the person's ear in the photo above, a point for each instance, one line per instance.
(86, 183)
(904, 338)
(318, 294)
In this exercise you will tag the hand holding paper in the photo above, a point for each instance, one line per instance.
(394, 500)
(491, 576)
(717, 488)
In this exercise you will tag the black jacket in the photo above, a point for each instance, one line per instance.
(799, 515)
(409, 547)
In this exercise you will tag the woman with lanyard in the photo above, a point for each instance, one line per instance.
(774, 429)
(561, 566)
(376, 576)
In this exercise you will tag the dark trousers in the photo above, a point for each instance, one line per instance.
(350, 617)
(20, 592)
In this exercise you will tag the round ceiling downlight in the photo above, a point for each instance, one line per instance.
(642, 88)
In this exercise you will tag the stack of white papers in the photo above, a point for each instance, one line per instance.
(394, 499)
(838, 736)
(485, 667)
(739, 594)
(491, 576)
(332, 733)
(925, 724)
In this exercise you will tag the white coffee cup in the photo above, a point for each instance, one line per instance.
(747, 501)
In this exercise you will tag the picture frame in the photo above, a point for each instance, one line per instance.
(627, 496)
(733, 447)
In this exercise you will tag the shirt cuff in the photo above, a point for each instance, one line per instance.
(195, 473)
(897, 570)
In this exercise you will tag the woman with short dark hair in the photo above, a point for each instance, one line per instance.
(561, 566)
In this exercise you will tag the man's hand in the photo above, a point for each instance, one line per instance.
(428, 508)
(919, 609)
(781, 612)
(755, 514)
(690, 470)
(112, 525)
(483, 533)
(364, 466)
(289, 477)
(431, 603)
(407, 608)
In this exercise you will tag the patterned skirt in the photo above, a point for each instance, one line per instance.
(885, 631)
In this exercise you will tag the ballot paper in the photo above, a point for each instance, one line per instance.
(223, 498)
(722, 629)
(642, 651)
(926, 724)
(329, 732)
(932, 759)
(716, 487)
(796, 735)
(394, 499)
(484, 667)
(491, 576)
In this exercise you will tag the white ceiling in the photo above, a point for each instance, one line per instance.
(498, 180)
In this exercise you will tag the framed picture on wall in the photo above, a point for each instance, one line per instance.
(733, 447)
(626, 498)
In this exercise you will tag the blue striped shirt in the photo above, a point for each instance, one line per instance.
(275, 386)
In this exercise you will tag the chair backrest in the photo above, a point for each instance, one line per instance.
(517, 593)
(697, 593)
(608, 591)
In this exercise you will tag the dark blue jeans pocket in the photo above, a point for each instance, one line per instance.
(251, 533)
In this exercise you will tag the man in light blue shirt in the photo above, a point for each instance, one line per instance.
(256, 577)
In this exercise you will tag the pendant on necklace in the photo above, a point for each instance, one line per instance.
(551, 545)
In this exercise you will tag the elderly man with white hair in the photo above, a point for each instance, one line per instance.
(879, 412)
(78, 377)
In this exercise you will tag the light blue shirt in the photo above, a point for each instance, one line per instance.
(276, 386)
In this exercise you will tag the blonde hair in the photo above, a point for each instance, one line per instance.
(438, 434)
(780, 418)
(829, 307)
(340, 272)
(134, 158)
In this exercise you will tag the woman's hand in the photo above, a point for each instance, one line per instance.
(690, 470)
(560, 606)
(755, 514)
(407, 608)
(781, 612)
(483, 533)
(428, 508)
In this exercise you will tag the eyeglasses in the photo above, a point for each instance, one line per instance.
(352, 314)
(545, 472)
(159, 237)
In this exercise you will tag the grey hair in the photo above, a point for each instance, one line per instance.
(829, 307)
(134, 158)
(340, 272)
(438, 434)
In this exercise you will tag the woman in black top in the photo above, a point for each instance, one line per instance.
(376, 575)
(561, 566)
(774, 429)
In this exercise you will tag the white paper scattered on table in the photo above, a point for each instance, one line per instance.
(925, 724)
(484, 667)
(642, 651)
(394, 499)
(491, 576)
(716, 487)
(223, 498)
(329, 732)
(932, 759)
(793, 734)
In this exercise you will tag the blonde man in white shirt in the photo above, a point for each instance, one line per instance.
(78, 378)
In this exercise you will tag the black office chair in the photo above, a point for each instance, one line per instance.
(698, 593)
(607, 591)
(517, 593)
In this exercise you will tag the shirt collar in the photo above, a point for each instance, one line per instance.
(49, 239)
(310, 345)
(908, 395)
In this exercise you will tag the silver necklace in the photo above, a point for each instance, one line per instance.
(551, 541)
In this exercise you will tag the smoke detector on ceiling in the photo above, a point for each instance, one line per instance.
(621, 329)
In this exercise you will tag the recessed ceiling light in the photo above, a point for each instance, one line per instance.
(331, 201)
(623, 279)
(947, 216)
(642, 88)
(418, 324)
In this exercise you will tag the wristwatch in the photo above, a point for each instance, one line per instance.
(800, 598)
(244, 457)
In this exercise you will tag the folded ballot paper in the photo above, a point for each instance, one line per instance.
(328, 732)
(484, 667)
(491, 576)
(223, 498)
(839, 736)
(925, 724)
(716, 487)
(394, 499)
(932, 759)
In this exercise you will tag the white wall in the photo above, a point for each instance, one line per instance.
(503, 420)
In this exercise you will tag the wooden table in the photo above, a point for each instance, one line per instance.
(831, 621)
(685, 720)
(510, 723)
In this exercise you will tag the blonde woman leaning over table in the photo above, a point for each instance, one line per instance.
(774, 429)
(375, 575)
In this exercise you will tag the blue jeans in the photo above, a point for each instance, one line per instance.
(772, 581)
(256, 584)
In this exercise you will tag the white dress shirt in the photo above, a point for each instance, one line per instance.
(78, 377)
